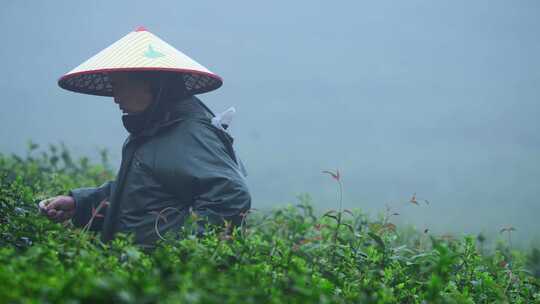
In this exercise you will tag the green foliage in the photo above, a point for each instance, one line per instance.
(287, 255)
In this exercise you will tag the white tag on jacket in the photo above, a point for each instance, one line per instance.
(224, 118)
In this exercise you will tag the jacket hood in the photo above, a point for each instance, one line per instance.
(164, 112)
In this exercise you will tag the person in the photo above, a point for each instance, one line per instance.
(178, 158)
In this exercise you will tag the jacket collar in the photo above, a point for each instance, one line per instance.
(190, 107)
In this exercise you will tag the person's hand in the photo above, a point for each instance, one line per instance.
(59, 208)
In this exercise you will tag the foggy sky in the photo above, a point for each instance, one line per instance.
(440, 98)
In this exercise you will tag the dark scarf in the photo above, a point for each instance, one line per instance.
(136, 122)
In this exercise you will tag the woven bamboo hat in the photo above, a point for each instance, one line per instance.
(139, 50)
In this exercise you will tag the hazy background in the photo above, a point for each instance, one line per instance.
(440, 98)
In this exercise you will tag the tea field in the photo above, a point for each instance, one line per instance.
(291, 254)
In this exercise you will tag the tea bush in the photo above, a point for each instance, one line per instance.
(286, 255)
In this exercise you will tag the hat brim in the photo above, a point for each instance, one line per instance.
(96, 82)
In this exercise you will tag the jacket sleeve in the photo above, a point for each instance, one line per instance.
(216, 182)
(87, 201)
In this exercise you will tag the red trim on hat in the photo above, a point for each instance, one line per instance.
(141, 29)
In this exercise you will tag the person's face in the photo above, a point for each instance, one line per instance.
(131, 95)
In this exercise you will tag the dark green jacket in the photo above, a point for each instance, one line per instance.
(183, 161)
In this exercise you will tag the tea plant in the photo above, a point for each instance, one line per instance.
(285, 255)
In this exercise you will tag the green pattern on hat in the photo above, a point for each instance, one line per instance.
(151, 53)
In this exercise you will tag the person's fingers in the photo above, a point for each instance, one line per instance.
(59, 208)
(56, 204)
(67, 215)
(51, 213)
(42, 206)
(59, 216)
(53, 204)
(61, 203)
(42, 210)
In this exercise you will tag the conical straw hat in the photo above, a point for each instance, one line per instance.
(139, 50)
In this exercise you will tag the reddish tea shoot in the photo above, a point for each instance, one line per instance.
(96, 214)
